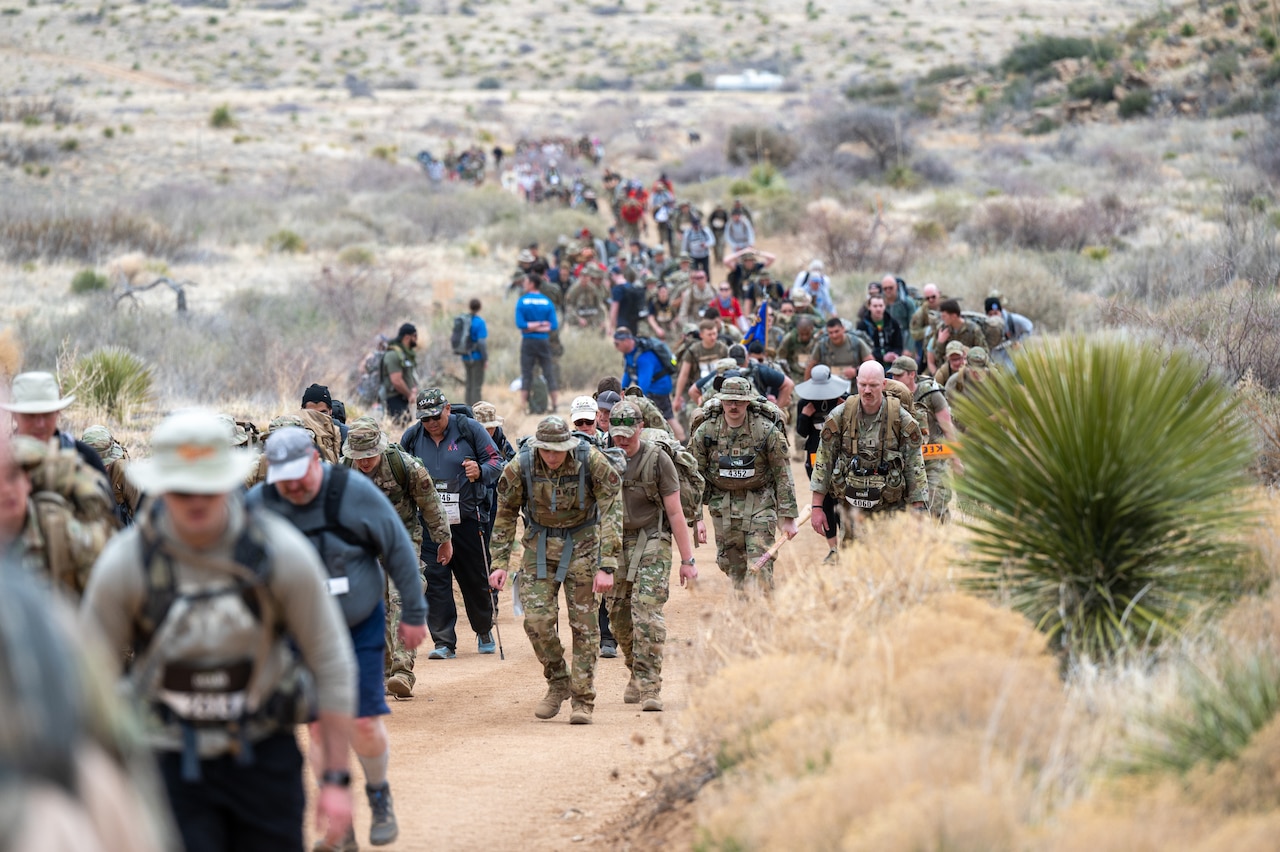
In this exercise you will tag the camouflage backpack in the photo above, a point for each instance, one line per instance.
(762, 407)
(907, 400)
(691, 481)
(992, 327)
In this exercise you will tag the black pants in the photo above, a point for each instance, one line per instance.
(234, 808)
(398, 408)
(605, 632)
(470, 568)
(703, 263)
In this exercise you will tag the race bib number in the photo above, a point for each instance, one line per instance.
(859, 503)
(737, 472)
(205, 706)
(706, 368)
(452, 510)
(737, 467)
(206, 694)
(339, 586)
(802, 359)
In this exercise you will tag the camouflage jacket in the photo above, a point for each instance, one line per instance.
(748, 469)
(588, 299)
(969, 334)
(887, 452)
(55, 546)
(931, 399)
(417, 493)
(558, 488)
(795, 353)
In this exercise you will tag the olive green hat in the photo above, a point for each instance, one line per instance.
(365, 440)
(555, 435)
(737, 388)
(977, 358)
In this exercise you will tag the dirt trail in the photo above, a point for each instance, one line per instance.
(472, 768)
(106, 69)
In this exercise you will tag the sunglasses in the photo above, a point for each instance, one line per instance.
(726, 289)
(623, 421)
(431, 418)
(584, 422)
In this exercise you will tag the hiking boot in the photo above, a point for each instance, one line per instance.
(398, 686)
(608, 648)
(549, 706)
(833, 556)
(485, 643)
(631, 695)
(581, 714)
(441, 652)
(383, 829)
(651, 703)
(348, 844)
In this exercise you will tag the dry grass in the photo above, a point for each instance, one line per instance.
(925, 718)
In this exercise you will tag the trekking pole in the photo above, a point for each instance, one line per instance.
(772, 552)
(497, 631)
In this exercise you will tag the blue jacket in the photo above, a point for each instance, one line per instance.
(479, 334)
(535, 307)
(644, 368)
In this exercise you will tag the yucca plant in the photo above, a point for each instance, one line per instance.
(112, 378)
(1108, 478)
(1215, 719)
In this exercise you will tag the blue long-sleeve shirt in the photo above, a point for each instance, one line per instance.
(535, 307)
(645, 369)
(479, 334)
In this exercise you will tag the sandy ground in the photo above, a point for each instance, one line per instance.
(472, 768)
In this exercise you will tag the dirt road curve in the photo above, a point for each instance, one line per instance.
(104, 69)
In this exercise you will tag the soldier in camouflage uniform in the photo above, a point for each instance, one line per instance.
(796, 348)
(742, 454)
(116, 459)
(932, 403)
(651, 517)
(953, 326)
(588, 299)
(41, 529)
(869, 453)
(572, 537)
(410, 489)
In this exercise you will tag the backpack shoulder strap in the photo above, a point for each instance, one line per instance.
(333, 491)
(399, 470)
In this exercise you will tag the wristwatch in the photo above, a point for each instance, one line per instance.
(336, 778)
(688, 561)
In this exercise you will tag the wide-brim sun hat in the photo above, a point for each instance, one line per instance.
(822, 386)
(192, 453)
(36, 393)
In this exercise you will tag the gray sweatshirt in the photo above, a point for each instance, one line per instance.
(367, 516)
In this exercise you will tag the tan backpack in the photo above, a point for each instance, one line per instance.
(328, 436)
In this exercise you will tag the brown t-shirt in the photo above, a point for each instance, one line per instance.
(637, 511)
(702, 360)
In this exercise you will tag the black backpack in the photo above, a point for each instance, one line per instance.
(460, 339)
(667, 363)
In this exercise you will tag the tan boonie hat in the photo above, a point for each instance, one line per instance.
(903, 364)
(36, 393)
(191, 453)
(285, 420)
(956, 346)
(977, 357)
(737, 388)
(99, 437)
(486, 415)
(365, 440)
(239, 435)
(555, 435)
(625, 411)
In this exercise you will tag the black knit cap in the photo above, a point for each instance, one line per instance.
(317, 393)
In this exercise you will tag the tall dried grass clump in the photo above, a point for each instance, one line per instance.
(89, 238)
(1110, 475)
(1042, 225)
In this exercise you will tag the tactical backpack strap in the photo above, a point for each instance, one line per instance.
(399, 470)
(892, 414)
(582, 453)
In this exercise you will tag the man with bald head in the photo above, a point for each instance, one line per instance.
(925, 321)
(869, 453)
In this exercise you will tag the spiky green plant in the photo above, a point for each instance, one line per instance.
(1109, 479)
(1215, 719)
(112, 378)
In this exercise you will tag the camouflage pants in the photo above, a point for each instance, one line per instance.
(542, 614)
(938, 474)
(740, 542)
(396, 658)
(635, 606)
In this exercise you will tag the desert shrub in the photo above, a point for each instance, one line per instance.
(88, 281)
(1134, 103)
(356, 256)
(883, 133)
(544, 225)
(112, 378)
(698, 164)
(1107, 539)
(876, 91)
(24, 152)
(221, 118)
(1041, 52)
(853, 239)
(748, 144)
(1264, 147)
(488, 83)
(933, 169)
(86, 237)
(1215, 720)
(1040, 224)
(943, 73)
(1093, 87)
(286, 242)
(446, 214)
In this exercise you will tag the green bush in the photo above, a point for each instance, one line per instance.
(286, 241)
(695, 80)
(356, 256)
(1136, 102)
(1040, 53)
(1107, 480)
(88, 281)
(1095, 88)
(114, 379)
(1268, 38)
(749, 144)
(488, 83)
(945, 72)
(1230, 15)
(1216, 719)
(876, 90)
(221, 118)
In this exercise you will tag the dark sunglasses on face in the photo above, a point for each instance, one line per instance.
(431, 418)
(583, 422)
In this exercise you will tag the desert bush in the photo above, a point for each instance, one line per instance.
(87, 281)
(876, 91)
(698, 164)
(749, 144)
(221, 118)
(1264, 147)
(112, 378)
(287, 242)
(86, 237)
(23, 152)
(1041, 52)
(943, 73)
(1106, 538)
(1137, 102)
(1044, 225)
(884, 133)
(853, 240)
(933, 169)
(356, 256)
